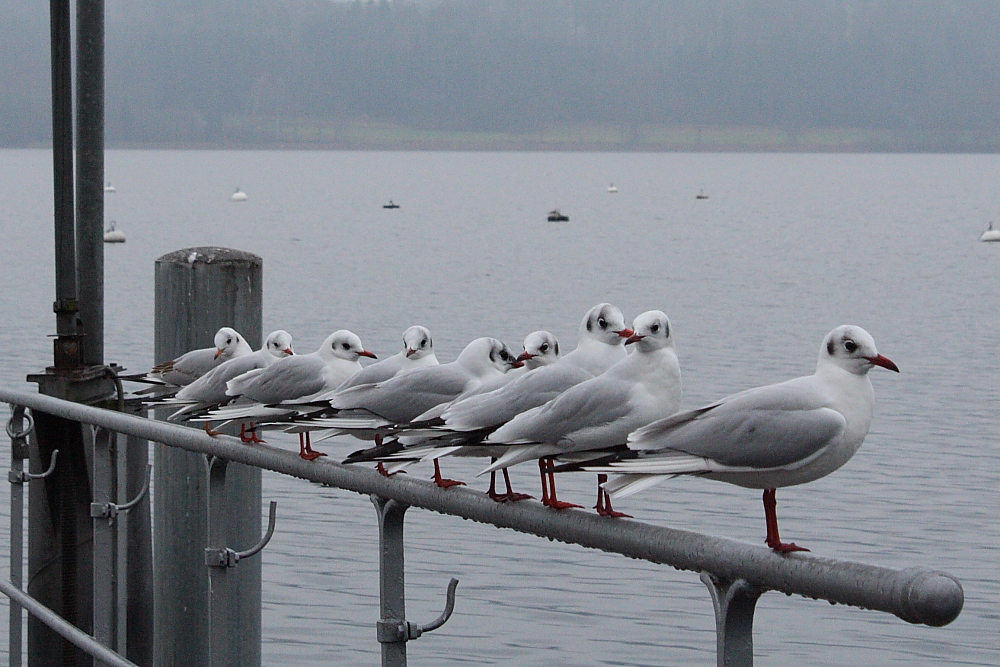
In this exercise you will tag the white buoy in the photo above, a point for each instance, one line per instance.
(112, 235)
(990, 234)
(612, 189)
(109, 187)
(239, 195)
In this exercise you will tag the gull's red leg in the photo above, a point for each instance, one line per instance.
(511, 496)
(606, 509)
(771, 519)
(312, 453)
(554, 502)
(253, 434)
(243, 434)
(545, 484)
(208, 429)
(441, 481)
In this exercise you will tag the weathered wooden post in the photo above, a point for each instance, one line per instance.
(198, 291)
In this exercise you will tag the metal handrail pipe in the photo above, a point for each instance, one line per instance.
(75, 635)
(916, 595)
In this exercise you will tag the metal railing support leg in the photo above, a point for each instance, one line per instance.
(105, 539)
(18, 432)
(392, 590)
(734, 603)
(219, 583)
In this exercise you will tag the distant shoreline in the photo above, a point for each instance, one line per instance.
(311, 134)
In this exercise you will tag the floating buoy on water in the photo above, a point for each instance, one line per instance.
(990, 234)
(239, 195)
(612, 189)
(113, 235)
(109, 187)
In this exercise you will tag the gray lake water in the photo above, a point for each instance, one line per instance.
(786, 248)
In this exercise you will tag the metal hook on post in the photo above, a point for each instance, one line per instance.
(110, 510)
(229, 557)
(389, 632)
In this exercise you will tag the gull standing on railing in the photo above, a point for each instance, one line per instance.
(278, 389)
(600, 412)
(190, 366)
(768, 437)
(417, 352)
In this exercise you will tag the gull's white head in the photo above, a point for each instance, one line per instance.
(417, 343)
(486, 355)
(227, 341)
(540, 349)
(606, 324)
(651, 332)
(279, 343)
(344, 344)
(853, 349)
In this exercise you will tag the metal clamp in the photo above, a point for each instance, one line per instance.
(392, 630)
(229, 557)
(15, 477)
(111, 510)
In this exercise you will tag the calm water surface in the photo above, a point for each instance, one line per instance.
(786, 248)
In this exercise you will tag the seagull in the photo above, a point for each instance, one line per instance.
(417, 352)
(768, 437)
(541, 348)
(210, 389)
(602, 336)
(275, 390)
(402, 398)
(600, 412)
(190, 366)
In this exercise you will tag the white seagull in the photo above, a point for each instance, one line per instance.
(417, 352)
(402, 398)
(600, 412)
(768, 437)
(210, 389)
(190, 366)
(275, 390)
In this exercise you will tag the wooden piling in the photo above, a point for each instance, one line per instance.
(198, 291)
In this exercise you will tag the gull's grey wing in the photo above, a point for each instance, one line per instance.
(378, 372)
(762, 428)
(190, 366)
(285, 380)
(211, 387)
(403, 397)
(586, 406)
(526, 392)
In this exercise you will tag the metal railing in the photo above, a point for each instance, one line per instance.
(736, 573)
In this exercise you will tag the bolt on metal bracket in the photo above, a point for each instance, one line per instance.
(110, 510)
(230, 557)
(393, 630)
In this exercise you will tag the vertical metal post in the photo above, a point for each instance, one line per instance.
(18, 452)
(135, 540)
(734, 603)
(392, 590)
(90, 177)
(198, 291)
(218, 577)
(105, 583)
(66, 346)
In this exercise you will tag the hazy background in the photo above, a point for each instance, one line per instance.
(650, 74)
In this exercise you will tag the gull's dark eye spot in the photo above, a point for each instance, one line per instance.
(544, 347)
(504, 355)
(850, 346)
(229, 341)
(346, 346)
(603, 323)
(423, 343)
(655, 327)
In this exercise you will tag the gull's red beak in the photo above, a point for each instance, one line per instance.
(218, 352)
(884, 362)
(366, 353)
(524, 356)
(410, 351)
(625, 333)
(634, 338)
(288, 351)
(517, 363)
